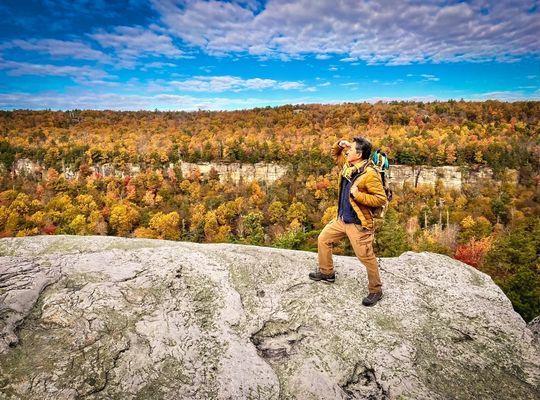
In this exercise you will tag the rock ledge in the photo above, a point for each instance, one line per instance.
(106, 317)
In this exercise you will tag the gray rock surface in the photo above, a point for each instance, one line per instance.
(116, 318)
(534, 326)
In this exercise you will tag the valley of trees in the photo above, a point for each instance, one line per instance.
(494, 226)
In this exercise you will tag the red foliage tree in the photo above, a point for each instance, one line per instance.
(474, 251)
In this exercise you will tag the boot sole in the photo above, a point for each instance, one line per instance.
(372, 304)
(323, 280)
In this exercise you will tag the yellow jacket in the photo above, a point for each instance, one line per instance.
(367, 190)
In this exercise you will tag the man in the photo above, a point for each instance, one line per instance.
(360, 188)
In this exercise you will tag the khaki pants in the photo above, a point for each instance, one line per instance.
(362, 244)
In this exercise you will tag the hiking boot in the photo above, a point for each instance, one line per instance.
(372, 299)
(318, 276)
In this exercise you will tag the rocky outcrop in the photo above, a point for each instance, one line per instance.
(451, 176)
(266, 172)
(534, 326)
(105, 317)
(235, 172)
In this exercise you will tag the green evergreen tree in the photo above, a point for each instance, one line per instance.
(253, 229)
(514, 264)
(391, 239)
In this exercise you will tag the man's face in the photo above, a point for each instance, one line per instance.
(351, 153)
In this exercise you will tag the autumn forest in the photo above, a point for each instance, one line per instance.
(493, 225)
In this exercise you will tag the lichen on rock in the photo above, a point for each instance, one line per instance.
(105, 317)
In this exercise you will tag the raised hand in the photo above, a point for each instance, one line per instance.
(344, 143)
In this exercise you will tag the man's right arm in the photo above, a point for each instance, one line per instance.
(337, 152)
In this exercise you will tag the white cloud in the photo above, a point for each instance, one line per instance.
(59, 48)
(389, 32)
(425, 77)
(290, 85)
(157, 65)
(507, 95)
(15, 68)
(231, 83)
(131, 42)
(429, 77)
(115, 101)
(207, 68)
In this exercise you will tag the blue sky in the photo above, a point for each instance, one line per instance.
(221, 55)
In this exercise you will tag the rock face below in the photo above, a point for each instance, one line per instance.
(105, 317)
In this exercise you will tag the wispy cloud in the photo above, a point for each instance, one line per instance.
(323, 56)
(131, 42)
(429, 77)
(15, 68)
(59, 48)
(507, 95)
(157, 65)
(424, 77)
(209, 68)
(393, 32)
(232, 83)
(115, 101)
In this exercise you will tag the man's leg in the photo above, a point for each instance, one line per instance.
(332, 232)
(362, 244)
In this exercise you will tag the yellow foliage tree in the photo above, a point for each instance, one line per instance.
(197, 216)
(210, 226)
(78, 225)
(123, 218)
(223, 234)
(166, 225)
(467, 222)
(276, 212)
(145, 233)
(297, 211)
(329, 214)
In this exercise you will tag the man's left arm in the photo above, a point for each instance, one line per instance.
(375, 196)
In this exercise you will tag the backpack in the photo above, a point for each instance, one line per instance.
(379, 160)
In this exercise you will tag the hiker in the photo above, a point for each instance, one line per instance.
(360, 188)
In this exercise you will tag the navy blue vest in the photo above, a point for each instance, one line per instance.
(345, 209)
